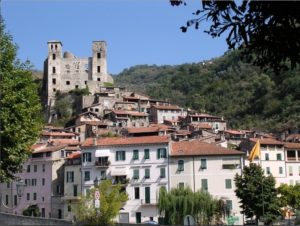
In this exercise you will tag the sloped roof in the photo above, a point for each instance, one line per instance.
(199, 148)
(111, 141)
(292, 145)
(234, 132)
(49, 149)
(63, 134)
(267, 141)
(166, 107)
(143, 129)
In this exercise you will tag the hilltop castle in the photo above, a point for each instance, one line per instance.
(65, 72)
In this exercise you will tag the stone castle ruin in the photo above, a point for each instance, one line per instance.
(65, 72)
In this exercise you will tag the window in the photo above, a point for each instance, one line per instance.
(299, 170)
(43, 181)
(147, 173)
(98, 69)
(58, 189)
(98, 79)
(28, 168)
(69, 208)
(228, 184)
(67, 82)
(6, 200)
(120, 156)
(279, 157)
(54, 81)
(87, 157)
(161, 153)
(98, 55)
(135, 154)
(180, 165)
(15, 200)
(76, 87)
(137, 193)
(85, 82)
(138, 217)
(203, 164)
(268, 170)
(146, 154)
(280, 170)
(204, 184)
(229, 205)
(53, 56)
(33, 182)
(102, 175)
(54, 90)
(75, 191)
(181, 185)
(43, 169)
(35, 168)
(53, 70)
(28, 196)
(267, 156)
(62, 153)
(70, 176)
(48, 154)
(34, 196)
(136, 174)
(162, 172)
(147, 194)
(290, 171)
(87, 175)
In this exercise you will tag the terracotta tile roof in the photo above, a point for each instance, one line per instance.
(182, 132)
(50, 149)
(38, 146)
(199, 148)
(204, 116)
(72, 148)
(201, 125)
(143, 129)
(266, 141)
(96, 123)
(166, 107)
(293, 136)
(160, 126)
(234, 132)
(124, 102)
(74, 155)
(65, 141)
(133, 113)
(63, 134)
(112, 141)
(292, 145)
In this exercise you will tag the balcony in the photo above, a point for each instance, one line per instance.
(122, 180)
(102, 164)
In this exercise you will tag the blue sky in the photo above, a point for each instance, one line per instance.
(136, 31)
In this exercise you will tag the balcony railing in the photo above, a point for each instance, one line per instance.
(102, 164)
(148, 202)
(292, 159)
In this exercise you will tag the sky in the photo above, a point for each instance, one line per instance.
(136, 31)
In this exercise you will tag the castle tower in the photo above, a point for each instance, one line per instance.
(99, 65)
(53, 68)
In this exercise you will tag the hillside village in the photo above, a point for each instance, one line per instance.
(141, 143)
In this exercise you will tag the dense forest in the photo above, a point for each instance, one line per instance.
(247, 96)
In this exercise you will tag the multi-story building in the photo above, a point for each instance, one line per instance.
(201, 165)
(139, 164)
(159, 113)
(292, 156)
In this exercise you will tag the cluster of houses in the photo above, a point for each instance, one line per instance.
(137, 142)
(162, 146)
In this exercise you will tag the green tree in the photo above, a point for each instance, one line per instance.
(289, 196)
(257, 194)
(20, 114)
(179, 202)
(268, 29)
(111, 201)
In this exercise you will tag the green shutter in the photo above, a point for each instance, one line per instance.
(136, 174)
(147, 194)
(204, 185)
(203, 164)
(158, 153)
(228, 183)
(146, 154)
(162, 172)
(135, 154)
(180, 165)
(147, 173)
(123, 155)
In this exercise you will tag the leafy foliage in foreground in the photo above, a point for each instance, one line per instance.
(111, 200)
(20, 115)
(247, 96)
(179, 202)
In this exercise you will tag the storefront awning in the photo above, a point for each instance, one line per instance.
(102, 153)
(118, 172)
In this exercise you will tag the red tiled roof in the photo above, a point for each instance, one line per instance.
(111, 141)
(235, 132)
(201, 125)
(72, 148)
(143, 130)
(74, 155)
(293, 136)
(267, 141)
(292, 145)
(133, 113)
(166, 107)
(183, 132)
(161, 126)
(37, 146)
(50, 149)
(63, 134)
(196, 148)
(96, 123)
(65, 141)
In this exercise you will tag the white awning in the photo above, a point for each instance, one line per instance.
(102, 153)
(119, 172)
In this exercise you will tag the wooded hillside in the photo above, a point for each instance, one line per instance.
(247, 96)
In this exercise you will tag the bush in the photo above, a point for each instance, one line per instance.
(32, 210)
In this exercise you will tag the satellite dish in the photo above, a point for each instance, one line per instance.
(189, 220)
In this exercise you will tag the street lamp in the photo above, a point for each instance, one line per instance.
(20, 192)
